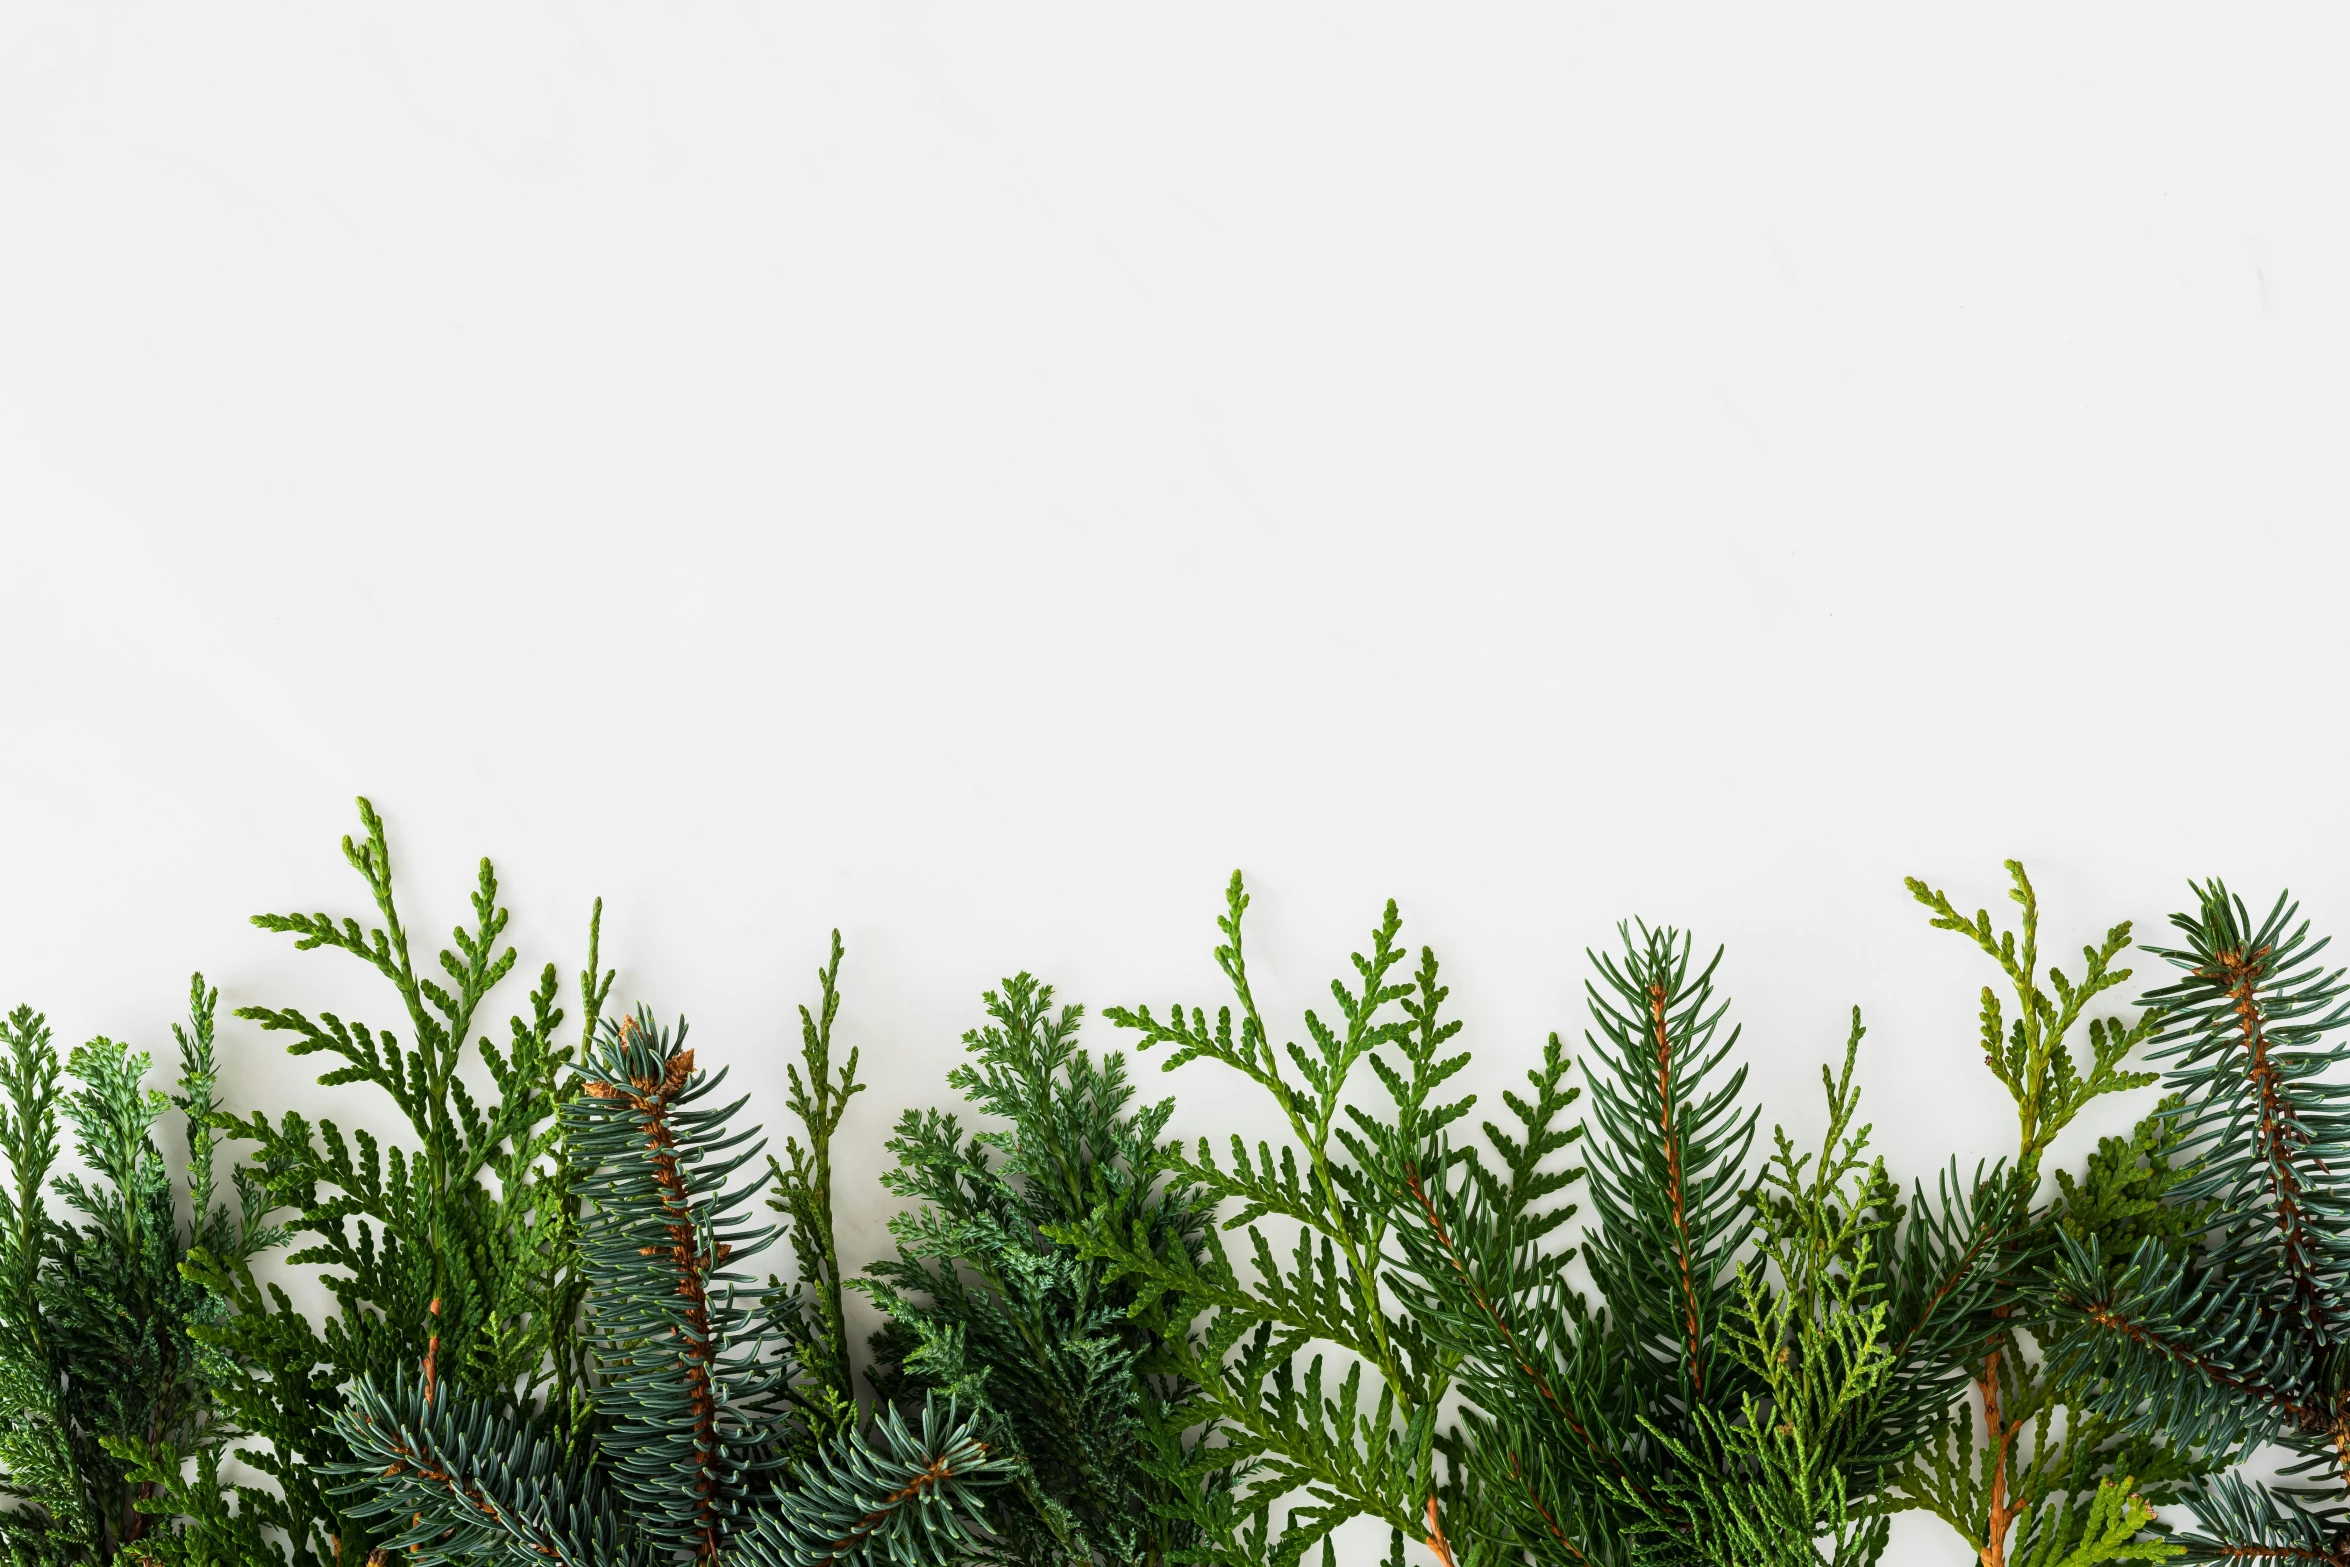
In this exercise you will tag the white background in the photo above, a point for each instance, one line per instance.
(975, 475)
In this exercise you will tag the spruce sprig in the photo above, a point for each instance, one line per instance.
(691, 1410)
(1716, 1404)
(455, 1482)
(2247, 1037)
(685, 1444)
(2240, 1341)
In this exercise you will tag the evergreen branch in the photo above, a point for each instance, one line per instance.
(2250, 1018)
(1667, 1179)
(2030, 1059)
(2192, 1353)
(692, 1415)
(463, 1234)
(460, 1483)
(1353, 1451)
(2239, 1521)
(912, 1498)
(803, 1194)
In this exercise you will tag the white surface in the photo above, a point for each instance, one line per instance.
(976, 478)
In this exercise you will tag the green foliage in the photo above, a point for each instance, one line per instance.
(1833, 1402)
(1668, 1169)
(1716, 1405)
(810, 1316)
(464, 1485)
(2028, 1054)
(990, 1306)
(2066, 1482)
(54, 1519)
(900, 1496)
(99, 1368)
(2031, 1476)
(1357, 1442)
(688, 1409)
(545, 1345)
(684, 1439)
(2131, 1189)
(454, 1482)
(2241, 1340)
(463, 1239)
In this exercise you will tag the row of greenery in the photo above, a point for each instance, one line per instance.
(1610, 1326)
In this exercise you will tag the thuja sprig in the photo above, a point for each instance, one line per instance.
(1793, 1462)
(811, 1315)
(474, 1218)
(2028, 1053)
(2040, 1479)
(1365, 1445)
(37, 1450)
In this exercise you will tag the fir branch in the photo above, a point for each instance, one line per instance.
(454, 1482)
(912, 1499)
(691, 1414)
(2247, 1032)
(2239, 1521)
(1668, 1172)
